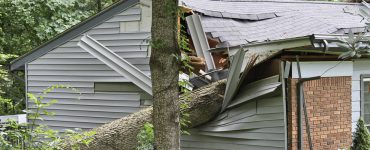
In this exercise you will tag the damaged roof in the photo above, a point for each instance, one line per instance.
(237, 22)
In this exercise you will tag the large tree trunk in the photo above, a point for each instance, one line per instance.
(164, 67)
(204, 104)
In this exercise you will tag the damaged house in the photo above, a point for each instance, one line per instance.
(286, 87)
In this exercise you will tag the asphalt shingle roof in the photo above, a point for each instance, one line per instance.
(237, 22)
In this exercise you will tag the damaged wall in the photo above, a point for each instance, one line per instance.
(253, 120)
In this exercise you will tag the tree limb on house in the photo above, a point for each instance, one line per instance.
(204, 104)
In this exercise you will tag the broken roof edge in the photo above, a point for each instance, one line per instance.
(283, 43)
(72, 32)
(257, 45)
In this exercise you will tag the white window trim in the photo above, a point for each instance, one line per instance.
(363, 78)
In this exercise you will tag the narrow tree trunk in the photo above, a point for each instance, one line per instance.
(164, 66)
(98, 4)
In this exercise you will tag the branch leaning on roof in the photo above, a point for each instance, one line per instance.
(121, 134)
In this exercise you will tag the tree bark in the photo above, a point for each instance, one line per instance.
(204, 104)
(164, 66)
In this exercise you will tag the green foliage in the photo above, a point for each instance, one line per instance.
(352, 45)
(11, 90)
(361, 138)
(145, 137)
(34, 17)
(31, 136)
(77, 138)
(25, 24)
(183, 42)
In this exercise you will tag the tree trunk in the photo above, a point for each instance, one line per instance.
(164, 66)
(204, 104)
(99, 6)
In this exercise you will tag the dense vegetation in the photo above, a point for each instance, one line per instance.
(26, 24)
(361, 138)
(30, 136)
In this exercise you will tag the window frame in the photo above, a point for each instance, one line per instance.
(362, 96)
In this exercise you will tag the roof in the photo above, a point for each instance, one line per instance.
(72, 32)
(236, 22)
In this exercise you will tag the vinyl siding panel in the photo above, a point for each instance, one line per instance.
(144, 67)
(71, 65)
(127, 54)
(251, 123)
(85, 61)
(359, 67)
(113, 48)
(77, 78)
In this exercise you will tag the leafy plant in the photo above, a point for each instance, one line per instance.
(146, 137)
(361, 138)
(77, 138)
(353, 45)
(32, 136)
(11, 90)
(26, 24)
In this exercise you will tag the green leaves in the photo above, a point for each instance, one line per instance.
(361, 138)
(146, 137)
(31, 136)
(25, 24)
(77, 137)
(352, 45)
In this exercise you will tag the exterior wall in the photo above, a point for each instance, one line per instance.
(255, 123)
(328, 102)
(359, 67)
(70, 65)
(262, 128)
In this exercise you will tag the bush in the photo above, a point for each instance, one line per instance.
(30, 136)
(361, 138)
(146, 137)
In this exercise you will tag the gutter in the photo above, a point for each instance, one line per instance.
(327, 41)
(200, 40)
(269, 45)
(302, 106)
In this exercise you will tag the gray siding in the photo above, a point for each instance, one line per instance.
(70, 65)
(359, 67)
(255, 122)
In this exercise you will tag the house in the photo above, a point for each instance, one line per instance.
(103, 94)
(269, 95)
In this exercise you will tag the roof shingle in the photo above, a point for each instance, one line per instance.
(237, 22)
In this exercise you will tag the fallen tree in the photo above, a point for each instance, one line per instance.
(204, 104)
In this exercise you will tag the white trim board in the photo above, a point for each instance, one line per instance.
(317, 68)
(118, 64)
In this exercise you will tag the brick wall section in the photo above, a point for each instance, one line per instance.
(328, 102)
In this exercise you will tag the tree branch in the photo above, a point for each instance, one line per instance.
(204, 104)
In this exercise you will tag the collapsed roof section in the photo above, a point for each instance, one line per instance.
(237, 22)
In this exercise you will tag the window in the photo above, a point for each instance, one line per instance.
(365, 97)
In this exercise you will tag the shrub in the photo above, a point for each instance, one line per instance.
(361, 138)
(30, 136)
